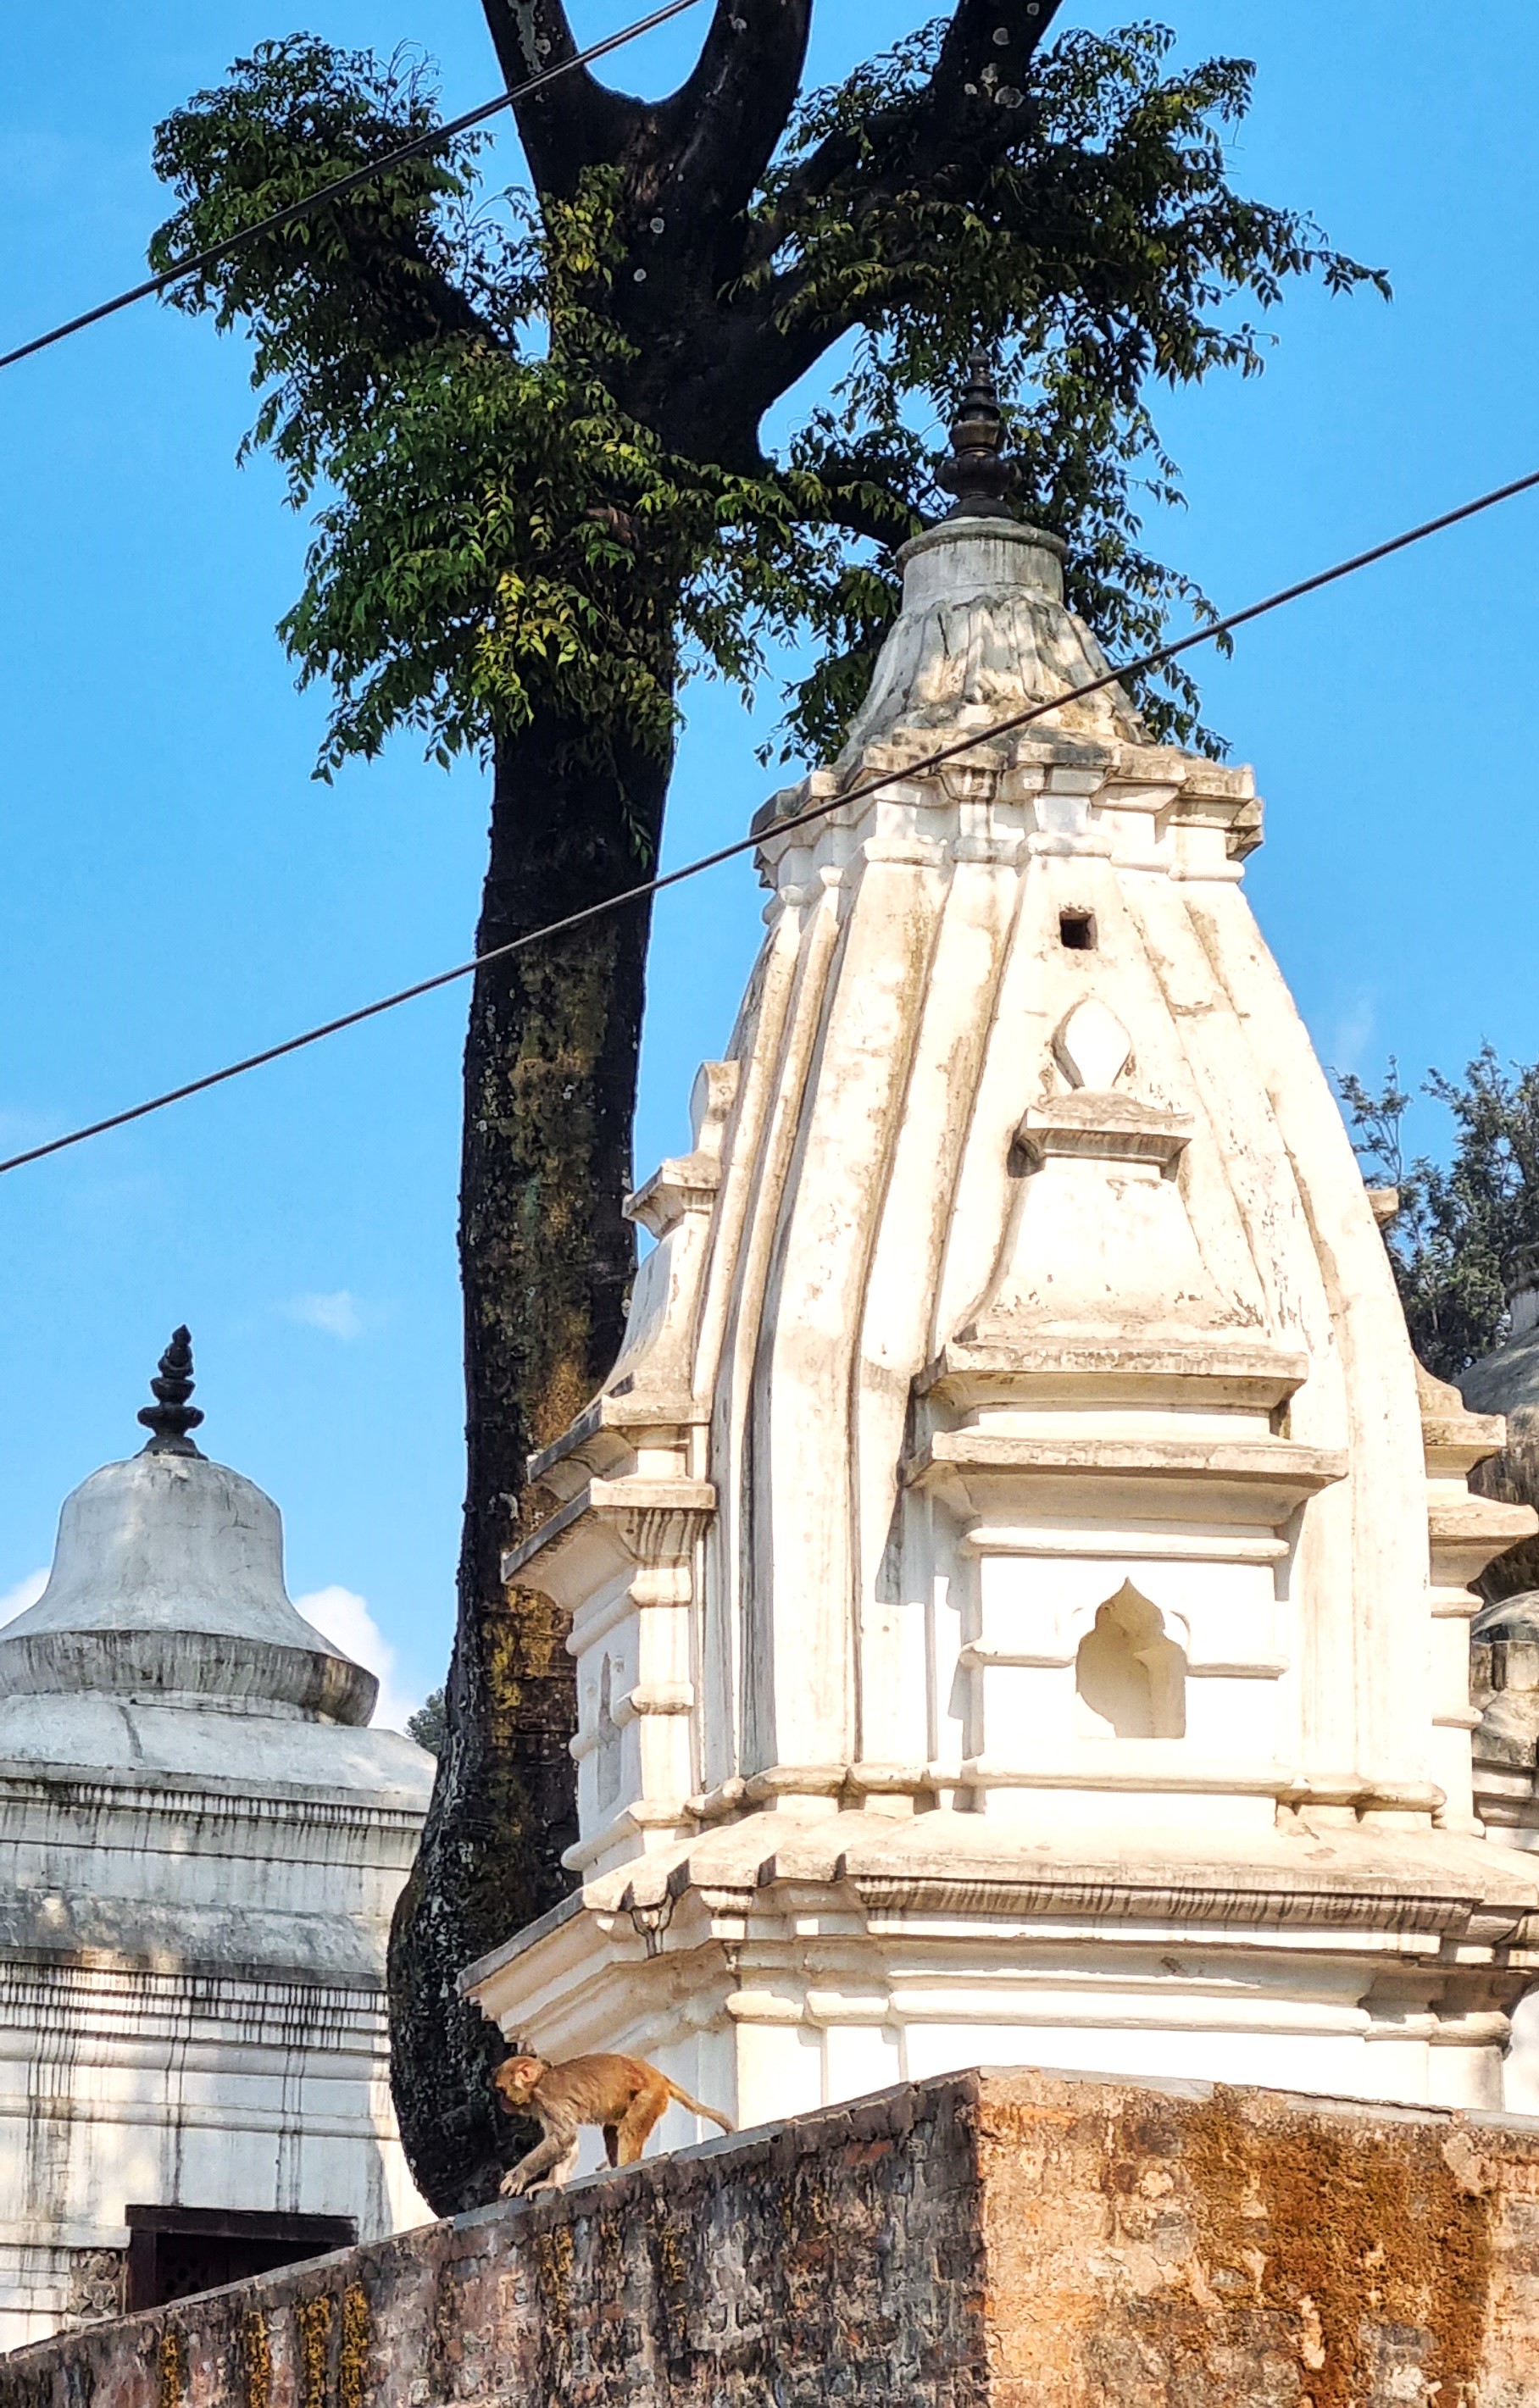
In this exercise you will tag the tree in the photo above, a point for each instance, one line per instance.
(533, 427)
(429, 1724)
(1462, 1229)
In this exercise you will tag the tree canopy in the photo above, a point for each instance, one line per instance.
(428, 1726)
(515, 516)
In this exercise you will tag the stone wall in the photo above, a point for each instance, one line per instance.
(1001, 2238)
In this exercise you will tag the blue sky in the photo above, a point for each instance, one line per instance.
(175, 890)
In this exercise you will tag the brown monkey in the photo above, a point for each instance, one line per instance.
(623, 2094)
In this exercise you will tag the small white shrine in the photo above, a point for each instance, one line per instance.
(203, 1843)
(1019, 1574)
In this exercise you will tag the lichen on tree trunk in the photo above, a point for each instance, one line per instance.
(546, 1263)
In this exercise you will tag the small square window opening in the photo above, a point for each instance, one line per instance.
(1077, 932)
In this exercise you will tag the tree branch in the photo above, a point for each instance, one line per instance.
(573, 124)
(965, 114)
(412, 298)
(713, 138)
(975, 67)
(693, 159)
(949, 134)
(885, 517)
(768, 345)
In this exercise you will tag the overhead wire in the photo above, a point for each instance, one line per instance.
(435, 138)
(806, 817)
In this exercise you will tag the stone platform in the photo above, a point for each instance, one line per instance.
(988, 2237)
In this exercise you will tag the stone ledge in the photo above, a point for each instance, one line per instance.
(981, 2239)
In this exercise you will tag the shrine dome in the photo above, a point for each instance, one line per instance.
(166, 1639)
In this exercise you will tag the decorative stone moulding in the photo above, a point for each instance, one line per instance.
(1017, 1584)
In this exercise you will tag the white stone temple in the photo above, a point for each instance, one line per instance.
(203, 1843)
(1018, 1572)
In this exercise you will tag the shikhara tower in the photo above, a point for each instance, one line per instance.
(1017, 1569)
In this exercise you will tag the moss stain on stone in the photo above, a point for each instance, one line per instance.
(997, 2240)
(554, 2253)
(673, 2282)
(255, 2359)
(353, 2365)
(1365, 2244)
(313, 2319)
(171, 2369)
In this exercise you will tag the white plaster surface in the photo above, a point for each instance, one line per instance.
(1019, 1577)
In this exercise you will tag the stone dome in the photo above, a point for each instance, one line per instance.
(984, 632)
(166, 1638)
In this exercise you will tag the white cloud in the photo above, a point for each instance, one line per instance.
(26, 1592)
(1353, 1033)
(341, 1615)
(338, 1313)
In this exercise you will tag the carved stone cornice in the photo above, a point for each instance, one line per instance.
(609, 1525)
(1446, 1913)
(1265, 1479)
(1102, 1128)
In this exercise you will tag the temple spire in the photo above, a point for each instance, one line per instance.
(171, 1418)
(975, 473)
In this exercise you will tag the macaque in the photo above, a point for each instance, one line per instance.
(623, 2094)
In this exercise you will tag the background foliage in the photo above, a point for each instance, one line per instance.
(1465, 1227)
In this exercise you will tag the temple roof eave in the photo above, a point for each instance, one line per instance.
(1320, 1885)
(1010, 768)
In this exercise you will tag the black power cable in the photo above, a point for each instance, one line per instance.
(432, 140)
(797, 819)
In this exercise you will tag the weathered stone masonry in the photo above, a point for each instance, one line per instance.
(1001, 2238)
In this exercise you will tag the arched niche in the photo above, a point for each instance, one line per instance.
(1130, 1676)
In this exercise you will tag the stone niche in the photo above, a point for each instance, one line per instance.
(984, 2238)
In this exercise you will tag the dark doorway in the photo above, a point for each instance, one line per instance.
(175, 2250)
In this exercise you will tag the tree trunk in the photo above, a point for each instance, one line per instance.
(546, 1262)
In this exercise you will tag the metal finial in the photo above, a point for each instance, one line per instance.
(975, 473)
(171, 1417)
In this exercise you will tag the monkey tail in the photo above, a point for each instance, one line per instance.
(696, 2108)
